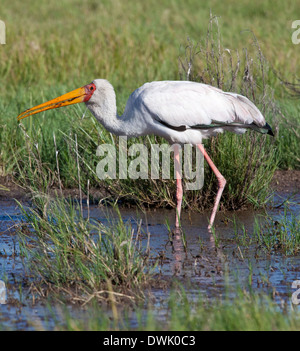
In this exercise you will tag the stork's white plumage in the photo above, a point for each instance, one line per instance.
(179, 111)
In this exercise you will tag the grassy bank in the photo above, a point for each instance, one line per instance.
(129, 44)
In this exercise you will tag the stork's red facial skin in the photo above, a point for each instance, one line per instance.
(89, 91)
(73, 97)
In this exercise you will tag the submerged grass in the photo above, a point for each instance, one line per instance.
(67, 252)
(280, 235)
(246, 312)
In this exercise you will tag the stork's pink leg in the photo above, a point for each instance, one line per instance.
(179, 191)
(221, 181)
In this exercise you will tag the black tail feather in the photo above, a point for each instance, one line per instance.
(269, 129)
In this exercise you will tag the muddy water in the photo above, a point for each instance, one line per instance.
(201, 265)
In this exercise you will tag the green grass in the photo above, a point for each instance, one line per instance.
(53, 48)
(287, 142)
(270, 234)
(131, 43)
(282, 235)
(248, 162)
(70, 253)
(245, 312)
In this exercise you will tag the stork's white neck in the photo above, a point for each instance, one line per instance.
(106, 114)
(103, 106)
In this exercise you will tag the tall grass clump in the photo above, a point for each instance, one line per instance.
(248, 162)
(65, 251)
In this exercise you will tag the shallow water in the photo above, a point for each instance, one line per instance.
(200, 266)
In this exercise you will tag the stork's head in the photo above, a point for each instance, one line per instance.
(83, 94)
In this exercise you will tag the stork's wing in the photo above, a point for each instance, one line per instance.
(184, 105)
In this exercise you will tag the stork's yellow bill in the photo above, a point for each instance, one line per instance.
(82, 94)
